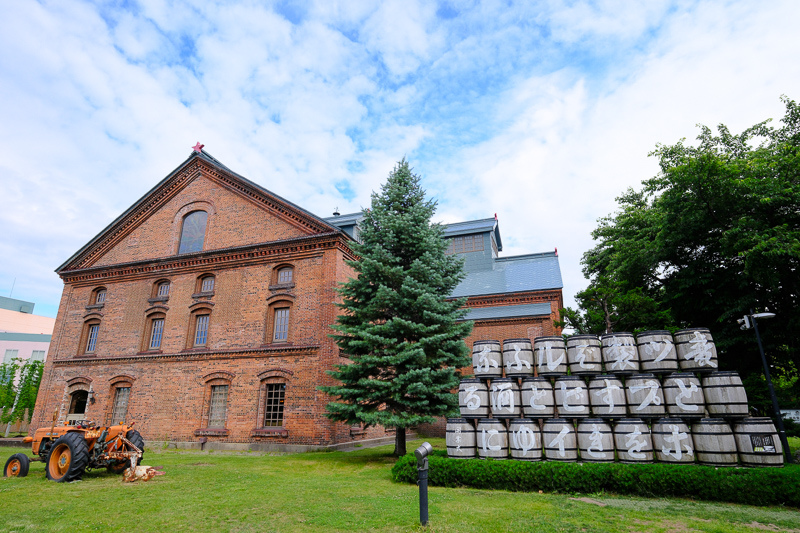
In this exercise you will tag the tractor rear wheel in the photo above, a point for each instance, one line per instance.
(17, 466)
(136, 439)
(68, 458)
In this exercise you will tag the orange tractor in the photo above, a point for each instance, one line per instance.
(68, 451)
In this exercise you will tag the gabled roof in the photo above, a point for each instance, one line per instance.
(309, 219)
(344, 220)
(521, 273)
(471, 227)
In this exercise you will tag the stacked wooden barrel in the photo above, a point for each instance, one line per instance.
(635, 399)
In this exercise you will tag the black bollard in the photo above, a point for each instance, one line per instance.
(422, 471)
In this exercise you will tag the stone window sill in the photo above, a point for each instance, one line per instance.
(211, 432)
(278, 344)
(279, 286)
(94, 307)
(269, 432)
(196, 349)
(208, 294)
(158, 299)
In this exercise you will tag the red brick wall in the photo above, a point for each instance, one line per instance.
(246, 240)
(169, 395)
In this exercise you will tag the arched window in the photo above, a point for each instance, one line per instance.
(90, 335)
(154, 330)
(119, 397)
(205, 284)
(160, 291)
(215, 404)
(283, 276)
(279, 319)
(98, 296)
(199, 325)
(271, 403)
(193, 232)
(77, 406)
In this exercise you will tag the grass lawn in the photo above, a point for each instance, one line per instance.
(335, 491)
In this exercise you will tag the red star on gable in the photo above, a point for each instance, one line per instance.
(198, 147)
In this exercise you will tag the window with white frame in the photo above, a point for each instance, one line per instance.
(218, 407)
(163, 289)
(285, 275)
(37, 355)
(100, 296)
(281, 329)
(274, 399)
(201, 330)
(9, 355)
(120, 409)
(156, 333)
(91, 338)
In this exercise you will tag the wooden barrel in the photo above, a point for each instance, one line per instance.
(645, 397)
(758, 442)
(684, 395)
(696, 350)
(518, 358)
(672, 441)
(572, 397)
(607, 397)
(537, 398)
(619, 353)
(492, 439)
(725, 395)
(460, 439)
(487, 361)
(657, 352)
(526, 439)
(560, 441)
(473, 398)
(551, 356)
(505, 398)
(584, 355)
(714, 444)
(595, 440)
(633, 441)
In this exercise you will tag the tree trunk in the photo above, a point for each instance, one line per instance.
(400, 442)
(608, 316)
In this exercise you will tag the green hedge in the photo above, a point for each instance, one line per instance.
(752, 486)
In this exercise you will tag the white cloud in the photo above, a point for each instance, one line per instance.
(540, 112)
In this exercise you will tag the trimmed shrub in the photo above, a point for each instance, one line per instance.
(751, 486)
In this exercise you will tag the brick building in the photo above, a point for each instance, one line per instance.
(203, 312)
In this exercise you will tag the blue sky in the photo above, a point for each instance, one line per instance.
(541, 112)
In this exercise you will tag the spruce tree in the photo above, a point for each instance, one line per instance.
(398, 329)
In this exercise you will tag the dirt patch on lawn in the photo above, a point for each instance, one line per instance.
(643, 526)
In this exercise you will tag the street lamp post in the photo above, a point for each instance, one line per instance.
(746, 323)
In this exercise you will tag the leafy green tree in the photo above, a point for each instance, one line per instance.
(715, 234)
(398, 328)
(15, 398)
(607, 305)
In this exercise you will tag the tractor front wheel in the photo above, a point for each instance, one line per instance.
(68, 458)
(17, 466)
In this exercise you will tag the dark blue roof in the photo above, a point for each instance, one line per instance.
(508, 311)
(469, 227)
(533, 272)
(344, 220)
